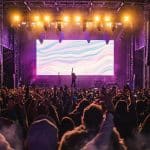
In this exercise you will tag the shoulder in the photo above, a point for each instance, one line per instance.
(75, 133)
(73, 138)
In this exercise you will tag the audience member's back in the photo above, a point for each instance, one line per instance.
(77, 138)
(122, 119)
(67, 124)
(77, 113)
(45, 108)
(140, 108)
(42, 135)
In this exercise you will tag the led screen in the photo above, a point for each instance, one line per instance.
(93, 58)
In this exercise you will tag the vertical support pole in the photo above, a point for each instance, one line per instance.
(146, 68)
(132, 53)
(147, 49)
(16, 57)
(1, 45)
(128, 48)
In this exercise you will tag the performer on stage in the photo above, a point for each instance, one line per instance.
(73, 84)
(59, 80)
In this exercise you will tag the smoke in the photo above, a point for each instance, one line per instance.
(140, 142)
(13, 136)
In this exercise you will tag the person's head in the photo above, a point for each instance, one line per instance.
(140, 106)
(42, 135)
(5, 122)
(83, 104)
(42, 109)
(121, 107)
(11, 103)
(67, 124)
(4, 145)
(92, 116)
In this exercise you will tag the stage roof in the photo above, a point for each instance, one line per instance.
(115, 5)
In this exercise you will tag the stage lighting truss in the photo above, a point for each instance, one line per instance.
(45, 22)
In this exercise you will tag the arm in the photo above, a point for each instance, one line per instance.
(101, 141)
(107, 98)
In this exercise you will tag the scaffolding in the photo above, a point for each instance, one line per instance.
(1, 42)
(14, 45)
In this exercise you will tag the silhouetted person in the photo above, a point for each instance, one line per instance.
(73, 84)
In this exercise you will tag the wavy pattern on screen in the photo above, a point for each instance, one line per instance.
(94, 58)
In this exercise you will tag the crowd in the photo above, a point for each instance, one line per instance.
(65, 118)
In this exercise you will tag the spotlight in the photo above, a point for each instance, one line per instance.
(36, 18)
(96, 18)
(89, 24)
(77, 19)
(66, 19)
(47, 18)
(108, 24)
(24, 23)
(16, 19)
(107, 18)
(126, 18)
(39, 24)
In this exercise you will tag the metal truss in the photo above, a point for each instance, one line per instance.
(36, 4)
